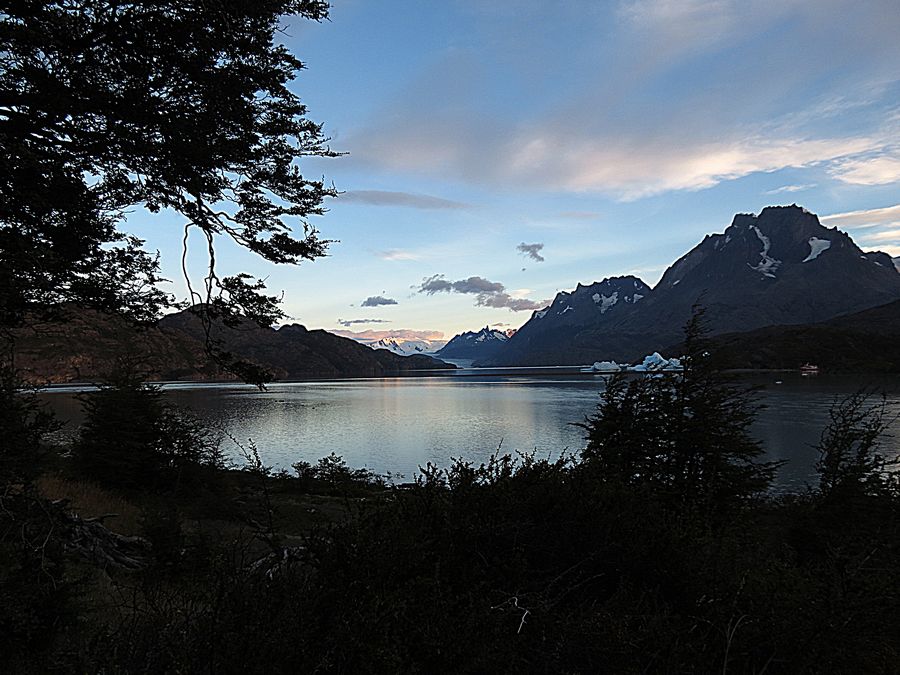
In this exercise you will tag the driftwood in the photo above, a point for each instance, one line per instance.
(91, 540)
(280, 561)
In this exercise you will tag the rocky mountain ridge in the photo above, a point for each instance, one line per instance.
(780, 267)
(474, 344)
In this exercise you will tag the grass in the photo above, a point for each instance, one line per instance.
(89, 500)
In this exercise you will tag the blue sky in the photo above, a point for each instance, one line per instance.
(614, 134)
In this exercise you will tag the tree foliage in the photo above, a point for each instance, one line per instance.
(850, 463)
(132, 439)
(179, 106)
(684, 434)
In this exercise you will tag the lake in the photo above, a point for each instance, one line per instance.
(397, 424)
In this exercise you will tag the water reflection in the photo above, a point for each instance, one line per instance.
(396, 425)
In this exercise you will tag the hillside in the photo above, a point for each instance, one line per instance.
(84, 346)
(867, 341)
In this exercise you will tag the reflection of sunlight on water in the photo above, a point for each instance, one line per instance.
(395, 425)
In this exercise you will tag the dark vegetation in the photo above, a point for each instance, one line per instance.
(656, 549)
(862, 342)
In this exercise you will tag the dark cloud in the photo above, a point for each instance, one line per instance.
(435, 284)
(473, 285)
(487, 293)
(406, 199)
(477, 285)
(353, 322)
(533, 251)
(377, 301)
(506, 300)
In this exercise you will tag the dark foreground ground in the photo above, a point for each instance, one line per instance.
(655, 550)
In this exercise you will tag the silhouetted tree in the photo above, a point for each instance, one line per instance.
(685, 434)
(131, 438)
(850, 464)
(178, 106)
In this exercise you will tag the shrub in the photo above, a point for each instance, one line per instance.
(850, 464)
(684, 434)
(132, 439)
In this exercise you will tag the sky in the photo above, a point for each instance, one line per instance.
(500, 152)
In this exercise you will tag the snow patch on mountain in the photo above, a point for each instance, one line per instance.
(768, 265)
(816, 248)
(606, 302)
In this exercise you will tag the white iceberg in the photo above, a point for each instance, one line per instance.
(655, 363)
(603, 367)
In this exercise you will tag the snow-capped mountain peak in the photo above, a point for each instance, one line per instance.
(609, 295)
(473, 345)
(405, 346)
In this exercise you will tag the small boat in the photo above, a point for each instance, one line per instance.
(808, 369)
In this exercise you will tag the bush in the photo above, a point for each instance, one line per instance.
(685, 435)
(850, 464)
(35, 601)
(131, 439)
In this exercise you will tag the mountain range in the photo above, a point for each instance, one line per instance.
(85, 346)
(781, 267)
(778, 287)
(404, 346)
(482, 344)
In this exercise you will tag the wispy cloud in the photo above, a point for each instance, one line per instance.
(637, 168)
(487, 293)
(872, 228)
(880, 169)
(650, 158)
(890, 236)
(790, 188)
(377, 301)
(628, 135)
(397, 254)
(579, 215)
(532, 251)
(404, 199)
(886, 216)
(353, 322)
(404, 333)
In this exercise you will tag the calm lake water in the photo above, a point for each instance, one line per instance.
(397, 424)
